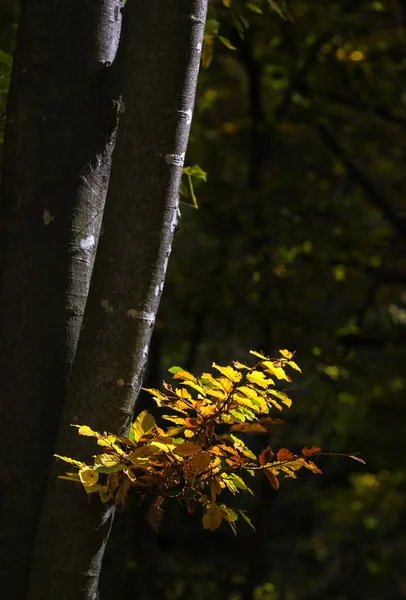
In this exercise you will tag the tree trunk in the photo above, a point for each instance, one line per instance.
(60, 134)
(163, 56)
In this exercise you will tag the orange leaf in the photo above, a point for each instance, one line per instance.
(310, 451)
(285, 454)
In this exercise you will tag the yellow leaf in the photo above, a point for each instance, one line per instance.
(71, 461)
(88, 477)
(259, 379)
(239, 365)
(189, 433)
(227, 3)
(144, 423)
(185, 375)
(220, 394)
(208, 380)
(163, 443)
(286, 354)
(228, 513)
(212, 517)
(292, 364)
(282, 396)
(277, 371)
(107, 460)
(177, 420)
(258, 355)
(143, 452)
(226, 384)
(239, 445)
(110, 442)
(85, 430)
(229, 372)
(207, 411)
(193, 385)
(308, 464)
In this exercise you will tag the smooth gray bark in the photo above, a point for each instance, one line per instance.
(163, 54)
(61, 126)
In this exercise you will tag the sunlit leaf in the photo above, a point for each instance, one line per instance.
(292, 364)
(144, 423)
(286, 354)
(259, 379)
(88, 477)
(182, 374)
(229, 372)
(258, 355)
(71, 461)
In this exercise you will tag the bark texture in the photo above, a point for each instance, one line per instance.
(61, 126)
(163, 54)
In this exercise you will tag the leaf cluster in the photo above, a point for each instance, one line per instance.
(198, 455)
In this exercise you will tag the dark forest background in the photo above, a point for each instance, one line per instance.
(298, 242)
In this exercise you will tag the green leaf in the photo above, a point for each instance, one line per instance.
(195, 171)
(212, 27)
(254, 8)
(244, 516)
(175, 370)
(6, 59)
(226, 43)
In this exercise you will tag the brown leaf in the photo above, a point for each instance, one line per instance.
(155, 513)
(285, 454)
(270, 421)
(266, 456)
(186, 449)
(248, 428)
(273, 480)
